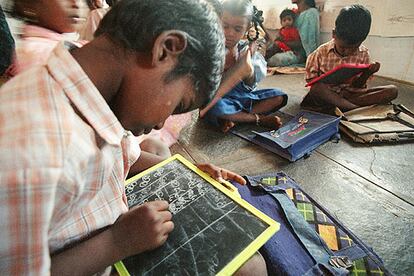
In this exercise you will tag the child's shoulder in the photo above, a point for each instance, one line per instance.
(324, 48)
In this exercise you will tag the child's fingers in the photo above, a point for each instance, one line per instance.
(229, 175)
(166, 216)
(159, 205)
(213, 171)
(168, 227)
(220, 174)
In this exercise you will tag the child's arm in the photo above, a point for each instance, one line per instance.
(324, 93)
(221, 174)
(361, 81)
(242, 68)
(142, 228)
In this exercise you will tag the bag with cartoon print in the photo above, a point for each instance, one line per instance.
(299, 136)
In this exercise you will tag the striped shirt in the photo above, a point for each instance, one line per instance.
(64, 157)
(325, 58)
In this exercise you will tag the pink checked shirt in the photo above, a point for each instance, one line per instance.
(325, 58)
(64, 157)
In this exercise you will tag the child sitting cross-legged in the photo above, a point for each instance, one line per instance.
(288, 33)
(237, 99)
(351, 28)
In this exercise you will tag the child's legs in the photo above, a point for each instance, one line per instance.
(268, 105)
(153, 151)
(260, 107)
(323, 94)
(256, 266)
(283, 59)
(155, 147)
(375, 95)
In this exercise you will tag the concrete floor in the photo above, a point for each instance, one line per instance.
(368, 188)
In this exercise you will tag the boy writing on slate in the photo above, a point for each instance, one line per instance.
(66, 145)
(351, 28)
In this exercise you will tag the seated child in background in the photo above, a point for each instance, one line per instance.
(238, 100)
(288, 33)
(351, 28)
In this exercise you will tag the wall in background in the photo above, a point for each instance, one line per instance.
(391, 41)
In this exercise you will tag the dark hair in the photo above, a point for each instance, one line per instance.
(247, 9)
(6, 43)
(135, 24)
(111, 2)
(91, 4)
(353, 24)
(287, 12)
(310, 3)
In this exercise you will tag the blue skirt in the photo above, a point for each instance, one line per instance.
(240, 99)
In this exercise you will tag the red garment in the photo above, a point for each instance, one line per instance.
(288, 34)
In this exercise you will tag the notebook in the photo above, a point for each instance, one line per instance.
(340, 74)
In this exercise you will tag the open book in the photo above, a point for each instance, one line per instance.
(340, 74)
(215, 231)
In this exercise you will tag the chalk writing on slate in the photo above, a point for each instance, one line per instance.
(211, 229)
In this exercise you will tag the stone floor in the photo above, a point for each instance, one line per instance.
(368, 188)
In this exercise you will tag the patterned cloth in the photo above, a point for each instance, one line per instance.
(64, 157)
(37, 44)
(284, 252)
(334, 236)
(325, 58)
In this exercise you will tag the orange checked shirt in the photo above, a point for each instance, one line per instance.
(325, 58)
(64, 157)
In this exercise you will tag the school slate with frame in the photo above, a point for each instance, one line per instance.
(215, 232)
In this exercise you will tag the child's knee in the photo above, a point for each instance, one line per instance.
(155, 146)
(393, 92)
(278, 101)
(256, 266)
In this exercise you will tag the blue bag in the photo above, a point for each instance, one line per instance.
(310, 240)
(300, 135)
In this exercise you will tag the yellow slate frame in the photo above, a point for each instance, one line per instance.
(240, 259)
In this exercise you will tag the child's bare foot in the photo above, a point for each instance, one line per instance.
(226, 125)
(270, 121)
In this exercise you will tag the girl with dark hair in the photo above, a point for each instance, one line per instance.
(307, 22)
(237, 99)
(310, 3)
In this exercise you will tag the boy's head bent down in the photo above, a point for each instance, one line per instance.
(178, 48)
(352, 26)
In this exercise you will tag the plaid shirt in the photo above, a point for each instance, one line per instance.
(326, 58)
(64, 157)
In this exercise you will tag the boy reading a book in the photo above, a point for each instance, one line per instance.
(351, 28)
(66, 145)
